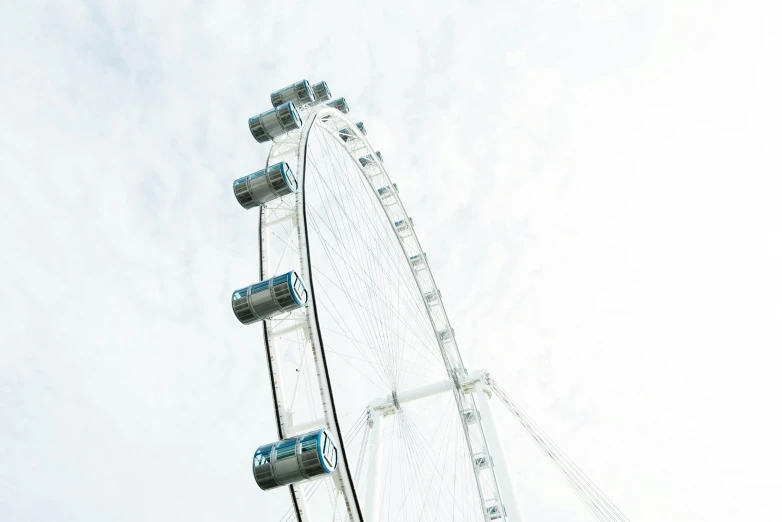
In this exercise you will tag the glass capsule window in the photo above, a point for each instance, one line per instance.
(262, 456)
(329, 452)
(259, 287)
(298, 287)
(240, 293)
(309, 443)
(288, 173)
(286, 449)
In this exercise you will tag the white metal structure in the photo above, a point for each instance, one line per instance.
(372, 357)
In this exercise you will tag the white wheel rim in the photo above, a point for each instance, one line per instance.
(304, 324)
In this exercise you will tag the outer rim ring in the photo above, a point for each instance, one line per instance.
(305, 270)
(313, 317)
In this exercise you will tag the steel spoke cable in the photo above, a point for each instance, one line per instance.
(573, 475)
(413, 466)
(362, 454)
(581, 484)
(369, 362)
(373, 366)
(391, 329)
(349, 185)
(330, 213)
(341, 355)
(355, 305)
(421, 446)
(362, 324)
(341, 323)
(354, 301)
(405, 458)
(411, 433)
(436, 465)
(307, 374)
(423, 442)
(416, 350)
(370, 346)
(344, 214)
(377, 294)
(357, 302)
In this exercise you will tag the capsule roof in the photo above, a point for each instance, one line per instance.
(298, 291)
(340, 104)
(327, 451)
(299, 93)
(287, 175)
(281, 119)
(294, 113)
(387, 189)
(322, 92)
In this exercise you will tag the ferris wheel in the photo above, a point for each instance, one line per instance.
(377, 416)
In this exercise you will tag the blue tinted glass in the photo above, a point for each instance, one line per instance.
(333, 456)
(329, 452)
(262, 456)
(258, 287)
(299, 287)
(290, 178)
(286, 449)
(309, 443)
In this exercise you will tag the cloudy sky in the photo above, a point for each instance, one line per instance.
(612, 166)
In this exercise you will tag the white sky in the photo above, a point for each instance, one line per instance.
(597, 186)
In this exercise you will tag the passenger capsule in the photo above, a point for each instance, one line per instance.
(472, 416)
(340, 104)
(265, 185)
(418, 261)
(370, 159)
(404, 226)
(275, 122)
(299, 93)
(445, 335)
(388, 191)
(483, 461)
(347, 134)
(493, 510)
(433, 297)
(296, 459)
(322, 92)
(268, 298)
